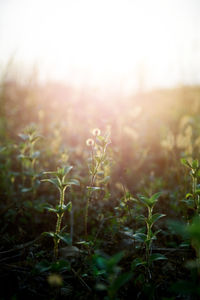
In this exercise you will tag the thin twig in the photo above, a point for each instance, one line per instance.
(22, 246)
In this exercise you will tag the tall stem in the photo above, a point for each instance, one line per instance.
(58, 223)
(194, 187)
(148, 244)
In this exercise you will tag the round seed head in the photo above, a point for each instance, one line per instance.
(96, 131)
(90, 142)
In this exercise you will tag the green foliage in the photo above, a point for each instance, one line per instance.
(107, 268)
(192, 200)
(61, 182)
(98, 167)
(148, 237)
(29, 157)
(144, 157)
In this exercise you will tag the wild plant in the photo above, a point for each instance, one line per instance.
(193, 199)
(193, 230)
(190, 233)
(108, 274)
(7, 176)
(97, 167)
(29, 156)
(60, 180)
(148, 237)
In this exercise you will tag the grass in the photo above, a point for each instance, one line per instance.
(127, 224)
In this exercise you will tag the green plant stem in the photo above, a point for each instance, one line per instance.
(90, 196)
(148, 244)
(58, 223)
(95, 168)
(86, 214)
(90, 193)
(194, 189)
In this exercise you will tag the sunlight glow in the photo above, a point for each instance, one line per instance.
(100, 42)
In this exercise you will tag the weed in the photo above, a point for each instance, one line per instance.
(59, 179)
(193, 199)
(97, 163)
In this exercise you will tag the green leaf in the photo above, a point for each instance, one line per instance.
(115, 259)
(55, 181)
(50, 173)
(155, 233)
(194, 231)
(85, 243)
(93, 188)
(120, 281)
(36, 154)
(155, 197)
(189, 202)
(155, 218)
(195, 164)
(42, 266)
(2, 149)
(22, 156)
(23, 136)
(26, 190)
(51, 234)
(185, 162)
(68, 206)
(133, 199)
(61, 172)
(60, 266)
(65, 237)
(101, 263)
(157, 256)
(73, 182)
(188, 195)
(197, 192)
(35, 138)
(105, 180)
(51, 209)
(136, 263)
(144, 200)
(140, 237)
(67, 169)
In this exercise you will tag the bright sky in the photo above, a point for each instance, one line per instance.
(104, 42)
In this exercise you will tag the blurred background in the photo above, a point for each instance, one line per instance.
(111, 45)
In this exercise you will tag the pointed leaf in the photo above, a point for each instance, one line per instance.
(23, 136)
(120, 281)
(73, 182)
(36, 154)
(115, 259)
(156, 217)
(155, 197)
(136, 263)
(55, 181)
(195, 164)
(65, 237)
(93, 188)
(140, 237)
(157, 256)
(185, 162)
(68, 206)
(67, 169)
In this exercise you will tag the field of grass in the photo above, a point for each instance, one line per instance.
(100, 197)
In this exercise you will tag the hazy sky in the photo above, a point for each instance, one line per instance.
(104, 42)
